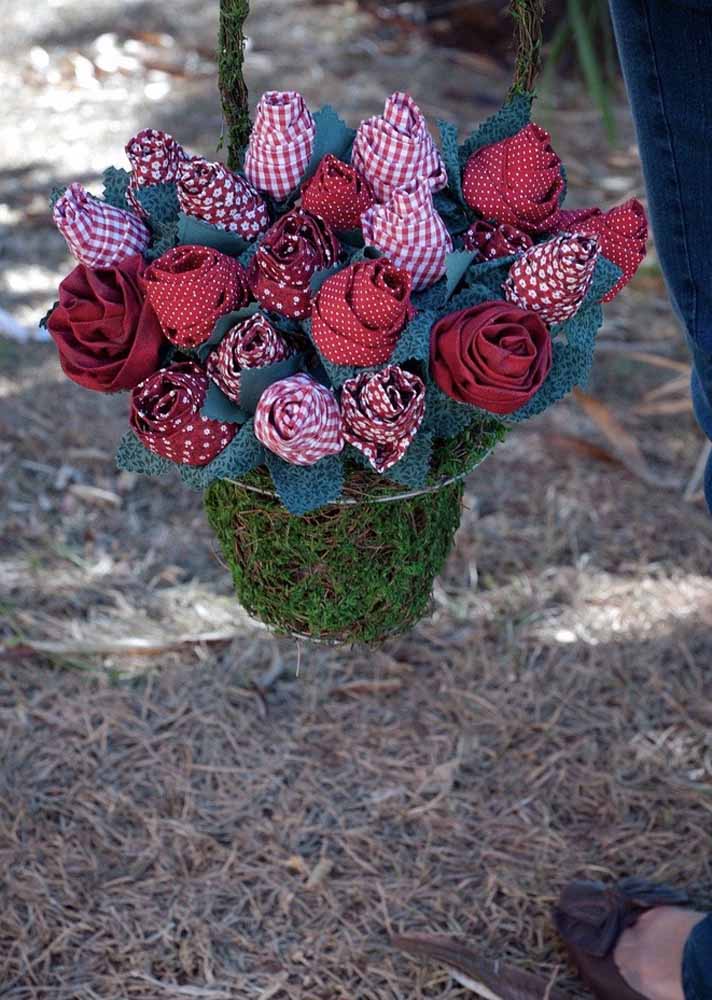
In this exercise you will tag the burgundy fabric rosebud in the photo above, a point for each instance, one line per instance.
(281, 143)
(292, 251)
(494, 356)
(491, 241)
(338, 193)
(98, 234)
(252, 343)
(165, 416)
(381, 414)
(155, 158)
(517, 181)
(299, 420)
(553, 278)
(211, 192)
(107, 335)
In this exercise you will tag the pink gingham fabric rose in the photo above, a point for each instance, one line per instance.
(98, 234)
(298, 419)
(552, 278)
(381, 414)
(252, 343)
(211, 192)
(155, 157)
(281, 143)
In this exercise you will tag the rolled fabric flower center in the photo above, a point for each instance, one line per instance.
(553, 278)
(299, 420)
(338, 193)
(381, 414)
(211, 192)
(253, 343)
(98, 234)
(281, 143)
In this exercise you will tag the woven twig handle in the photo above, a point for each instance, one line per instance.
(528, 17)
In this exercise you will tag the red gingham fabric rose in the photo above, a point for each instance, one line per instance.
(392, 150)
(409, 231)
(381, 414)
(190, 287)
(154, 157)
(338, 193)
(211, 192)
(165, 416)
(98, 234)
(495, 355)
(517, 181)
(359, 313)
(296, 246)
(495, 241)
(552, 278)
(622, 233)
(281, 143)
(299, 420)
(252, 343)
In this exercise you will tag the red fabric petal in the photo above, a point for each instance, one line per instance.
(553, 278)
(252, 343)
(299, 420)
(338, 193)
(211, 192)
(381, 414)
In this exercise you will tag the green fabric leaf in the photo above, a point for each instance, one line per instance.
(132, 456)
(218, 406)
(414, 468)
(337, 374)
(116, 184)
(196, 232)
(159, 202)
(304, 488)
(333, 135)
(254, 381)
(221, 327)
(319, 277)
(455, 214)
(446, 417)
(450, 152)
(605, 277)
(243, 454)
(490, 274)
(510, 119)
(432, 299)
(54, 196)
(456, 264)
(246, 256)
(165, 237)
(352, 240)
(414, 343)
(468, 297)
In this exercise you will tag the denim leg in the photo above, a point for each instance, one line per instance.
(666, 54)
(697, 962)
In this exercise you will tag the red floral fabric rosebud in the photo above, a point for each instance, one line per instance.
(397, 148)
(107, 335)
(492, 241)
(622, 233)
(98, 234)
(252, 343)
(211, 192)
(338, 193)
(299, 420)
(409, 231)
(359, 313)
(190, 287)
(495, 356)
(296, 246)
(281, 143)
(552, 278)
(517, 181)
(381, 414)
(165, 416)
(155, 158)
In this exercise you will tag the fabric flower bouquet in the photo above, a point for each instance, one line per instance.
(350, 300)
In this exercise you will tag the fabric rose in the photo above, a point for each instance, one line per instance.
(409, 231)
(553, 278)
(337, 193)
(165, 416)
(381, 414)
(281, 143)
(252, 343)
(621, 232)
(296, 246)
(155, 158)
(517, 181)
(359, 313)
(211, 192)
(107, 335)
(397, 148)
(495, 356)
(492, 241)
(190, 287)
(98, 234)
(299, 420)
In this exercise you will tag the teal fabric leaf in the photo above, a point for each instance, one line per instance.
(446, 417)
(218, 406)
(414, 343)
(44, 322)
(352, 240)
(221, 327)
(606, 275)
(165, 237)
(456, 216)
(366, 253)
(246, 256)
(242, 455)
(159, 202)
(510, 119)
(54, 196)
(337, 374)
(490, 274)
(333, 135)
(133, 457)
(196, 232)
(116, 183)
(414, 468)
(456, 264)
(450, 152)
(304, 488)
(319, 277)
(472, 296)
(432, 299)
(254, 381)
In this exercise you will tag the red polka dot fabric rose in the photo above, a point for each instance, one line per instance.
(517, 181)
(155, 157)
(252, 343)
(107, 335)
(98, 234)
(165, 416)
(338, 193)
(190, 287)
(359, 313)
(381, 414)
(281, 143)
(296, 246)
(211, 192)
(299, 420)
(494, 356)
(397, 148)
(409, 231)
(492, 241)
(553, 278)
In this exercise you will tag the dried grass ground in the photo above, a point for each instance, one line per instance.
(170, 825)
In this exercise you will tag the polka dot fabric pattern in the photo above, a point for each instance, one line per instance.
(382, 413)
(98, 234)
(253, 343)
(338, 193)
(492, 241)
(299, 420)
(553, 278)
(281, 143)
(211, 192)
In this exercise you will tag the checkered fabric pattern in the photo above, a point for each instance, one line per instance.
(381, 414)
(253, 343)
(211, 192)
(165, 416)
(338, 193)
(552, 278)
(491, 241)
(299, 420)
(155, 157)
(392, 150)
(281, 143)
(409, 231)
(98, 234)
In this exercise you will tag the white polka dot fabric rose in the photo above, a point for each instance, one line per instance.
(253, 343)
(552, 278)
(211, 192)
(299, 420)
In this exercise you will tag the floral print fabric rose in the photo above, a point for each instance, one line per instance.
(552, 278)
(211, 192)
(492, 241)
(381, 414)
(253, 343)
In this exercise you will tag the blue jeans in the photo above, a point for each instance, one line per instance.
(666, 52)
(697, 962)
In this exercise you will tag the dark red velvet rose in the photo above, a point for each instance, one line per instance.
(492, 241)
(338, 193)
(108, 336)
(495, 356)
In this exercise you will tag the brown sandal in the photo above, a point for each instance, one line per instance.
(590, 917)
